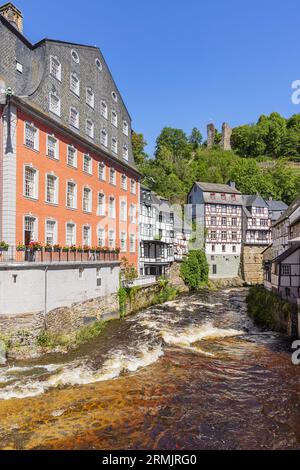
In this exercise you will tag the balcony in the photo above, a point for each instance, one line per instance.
(49, 256)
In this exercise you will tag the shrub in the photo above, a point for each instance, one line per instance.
(194, 269)
(89, 332)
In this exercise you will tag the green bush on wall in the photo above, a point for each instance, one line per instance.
(194, 269)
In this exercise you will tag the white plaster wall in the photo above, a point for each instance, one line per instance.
(63, 287)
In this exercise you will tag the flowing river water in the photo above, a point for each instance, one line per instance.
(191, 374)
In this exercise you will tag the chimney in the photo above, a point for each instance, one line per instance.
(232, 184)
(13, 15)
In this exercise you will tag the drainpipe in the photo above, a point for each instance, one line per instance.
(45, 296)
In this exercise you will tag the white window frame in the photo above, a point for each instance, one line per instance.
(36, 136)
(75, 195)
(56, 186)
(58, 74)
(86, 157)
(35, 195)
(89, 128)
(74, 124)
(124, 182)
(123, 210)
(114, 117)
(112, 237)
(123, 238)
(98, 64)
(133, 186)
(112, 208)
(114, 96)
(90, 235)
(112, 181)
(103, 176)
(125, 152)
(104, 140)
(71, 147)
(132, 213)
(75, 88)
(56, 148)
(125, 128)
(104, 109)
(90, 200)
(114, 145)
(74, 233)
(101, 209)
(75, 56)
(90, 97)
(54, 222)
(54, 109)
(103, 240)
(35, 226)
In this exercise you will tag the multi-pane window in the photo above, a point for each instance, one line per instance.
(112, 176)
(74, 117)
(54, 104)
(132, 243)
(90, 97)
(285, 270)
(104, 137)
(87, 200)
(75, 84)
(52, 147)
(31, 136)
(213, 221)
(264, 222)
(114, 118)
(133, 187)
(132, 214)
(51, 189)
(104, 109)
(89, 128)
(101, 171)
(123, 242)
(71, 234)
(50, 232)
(234, 222)
(111, 239)
(112, 207)
(223, 248)
(234, 236)
(86, 235)
(101, 237)
(213, 235)
(55, 68)
(123, 211)
(125, 128)
(71, 195)
(72, 156)
(124, 182)
(224, 221)
(234, 249)
(30, 227)
(30, 182)
(125, 152)
(224, 235)
(87, 164)
(114, 144)
(101, 204)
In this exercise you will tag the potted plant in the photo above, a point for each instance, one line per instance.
(56, 248)
(86, 249)
(4, 246)
(35, 246)
(80, 249)
(48, 248)
(66, 249)
(21, 247)
(73, 249)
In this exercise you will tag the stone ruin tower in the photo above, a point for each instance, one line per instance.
(211, 135)
(226, 137)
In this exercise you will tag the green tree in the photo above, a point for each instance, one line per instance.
(138, 148)
(194, 269)
(195, 138)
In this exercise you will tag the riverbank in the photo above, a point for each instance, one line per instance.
(195, 373)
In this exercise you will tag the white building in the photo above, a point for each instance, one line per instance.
(217, 210)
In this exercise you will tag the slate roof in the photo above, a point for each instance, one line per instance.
(295, 204)
(286, 253)
(217, 188)
(254, 200)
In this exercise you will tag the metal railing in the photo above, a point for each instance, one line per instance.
(44, 255)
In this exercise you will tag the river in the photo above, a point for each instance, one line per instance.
(191, 374)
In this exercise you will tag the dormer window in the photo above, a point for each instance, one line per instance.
(125, 128)
(223, 197)
(54, 103)
(89, 129)
(233, 197)
(74, 117)
(213, 196)
(75, 56)
(114, 118)
(104, 109)
(90, 97)
(55, 68)
(75, 84)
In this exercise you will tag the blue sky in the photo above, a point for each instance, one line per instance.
(185, 63)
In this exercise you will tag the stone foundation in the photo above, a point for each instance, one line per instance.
(175, 278)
